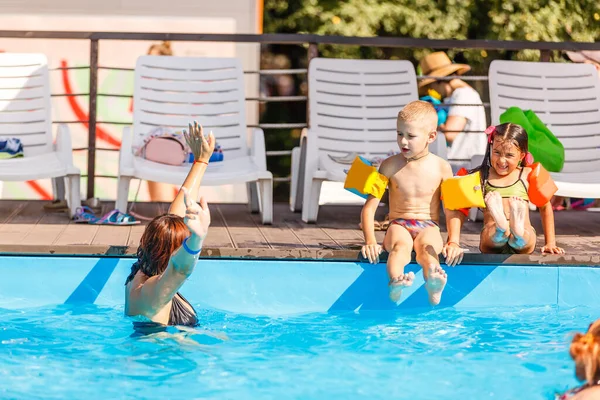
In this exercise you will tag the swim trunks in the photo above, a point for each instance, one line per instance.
(414, 226)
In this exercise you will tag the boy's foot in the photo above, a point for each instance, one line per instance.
(436, 281)
(493, 202)
(398, 283)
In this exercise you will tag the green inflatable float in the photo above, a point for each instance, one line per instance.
(543, 145)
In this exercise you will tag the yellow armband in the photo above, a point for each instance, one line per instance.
(364, 179)
(541, 186)
(463, 192)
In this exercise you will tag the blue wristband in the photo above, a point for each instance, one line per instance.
(190, 251)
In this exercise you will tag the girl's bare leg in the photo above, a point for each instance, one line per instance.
(495, 235)
(522, 237)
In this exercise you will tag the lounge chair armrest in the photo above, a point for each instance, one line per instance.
(308, 146)
(63, 145)
(258, 149)
(126, 151)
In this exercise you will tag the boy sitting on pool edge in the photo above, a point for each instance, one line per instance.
(415, 177)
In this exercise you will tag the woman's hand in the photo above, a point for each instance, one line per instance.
(197, 216)
(201, 146)
(453, 254)
(552, 248)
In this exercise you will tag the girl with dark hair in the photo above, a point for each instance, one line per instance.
(169, 249)
(505, 181)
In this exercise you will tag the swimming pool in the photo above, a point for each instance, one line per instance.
(293, 329)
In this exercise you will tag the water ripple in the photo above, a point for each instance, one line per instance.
(76, 351)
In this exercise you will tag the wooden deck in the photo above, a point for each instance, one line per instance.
(25, 227)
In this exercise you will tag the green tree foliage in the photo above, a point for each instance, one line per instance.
(545, 20)
(532, 20)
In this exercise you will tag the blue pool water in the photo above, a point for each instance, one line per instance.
(86, 351)
(292, 329)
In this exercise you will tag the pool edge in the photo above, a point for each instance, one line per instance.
(291, 254)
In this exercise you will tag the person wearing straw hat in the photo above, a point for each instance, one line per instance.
(464, 128)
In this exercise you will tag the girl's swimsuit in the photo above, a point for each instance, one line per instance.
(517, 189)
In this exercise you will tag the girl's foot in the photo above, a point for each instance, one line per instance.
(493, 202)
(517, 216)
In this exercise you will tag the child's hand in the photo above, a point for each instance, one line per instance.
(371, 252)
(453, 254)
(552, 248)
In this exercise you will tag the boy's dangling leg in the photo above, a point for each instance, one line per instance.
(428, 246)
(398, 243)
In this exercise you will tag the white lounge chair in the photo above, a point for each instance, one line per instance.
(173, 91)
(353, 106)
(25, 113)
(566, 97)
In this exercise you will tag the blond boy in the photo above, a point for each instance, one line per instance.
(415, 176)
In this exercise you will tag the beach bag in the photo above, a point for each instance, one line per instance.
(543, 145)
(165, 147)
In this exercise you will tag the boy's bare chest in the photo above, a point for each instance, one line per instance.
(416, 181)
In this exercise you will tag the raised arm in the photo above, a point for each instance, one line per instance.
(454, 221)
(160, 289)
(202, 148)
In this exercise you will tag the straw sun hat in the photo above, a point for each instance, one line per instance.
(439, 64)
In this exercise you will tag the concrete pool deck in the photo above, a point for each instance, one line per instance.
(25, 227)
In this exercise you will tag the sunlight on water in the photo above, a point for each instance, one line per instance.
(80, 352)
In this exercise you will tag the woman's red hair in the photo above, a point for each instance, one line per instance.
(163, 235)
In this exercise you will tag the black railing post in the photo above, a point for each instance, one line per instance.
(545, 55)
(91, 167)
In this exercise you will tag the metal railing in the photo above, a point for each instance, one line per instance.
(311, 41)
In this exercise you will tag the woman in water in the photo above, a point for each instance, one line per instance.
(169, 249)
(585, 351)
